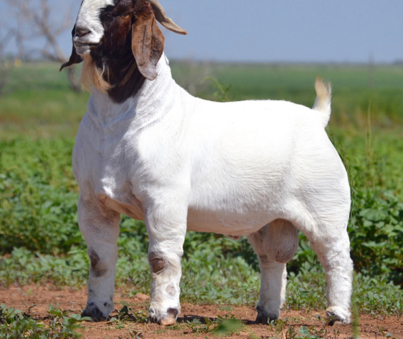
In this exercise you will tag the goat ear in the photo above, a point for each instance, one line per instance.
(74, 58)
(147, 41)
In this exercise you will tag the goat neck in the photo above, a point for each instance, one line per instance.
(152, 102)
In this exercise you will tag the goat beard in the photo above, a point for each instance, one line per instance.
(91, 75)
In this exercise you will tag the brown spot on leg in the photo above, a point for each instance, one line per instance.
(96, 266)
(94, 257)
(157, 263)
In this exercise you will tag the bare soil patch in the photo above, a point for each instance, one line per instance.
(74, 301)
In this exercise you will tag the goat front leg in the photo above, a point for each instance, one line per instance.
(167, 232)
(100, 228)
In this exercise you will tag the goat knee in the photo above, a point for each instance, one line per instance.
(98, 268)
(157, 262)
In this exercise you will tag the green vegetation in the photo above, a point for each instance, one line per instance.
(355, 88)
(39, 236)
(57, 325)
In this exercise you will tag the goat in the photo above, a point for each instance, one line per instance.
(148, 149)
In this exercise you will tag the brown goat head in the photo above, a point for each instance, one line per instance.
(120, 43)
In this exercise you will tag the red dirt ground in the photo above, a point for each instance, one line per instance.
(74, 301)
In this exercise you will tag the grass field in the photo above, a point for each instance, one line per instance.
(39, 237)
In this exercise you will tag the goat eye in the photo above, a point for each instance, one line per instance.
(121, 15)
(107, 12)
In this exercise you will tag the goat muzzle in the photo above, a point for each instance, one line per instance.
(164, 20)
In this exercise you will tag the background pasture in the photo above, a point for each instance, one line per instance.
(39, 237)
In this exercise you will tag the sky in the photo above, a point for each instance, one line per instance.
(339, 31)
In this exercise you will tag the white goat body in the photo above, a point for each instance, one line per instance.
(180, 162)
(148, 149)
(236, 166)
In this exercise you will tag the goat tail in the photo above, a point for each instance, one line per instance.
(323, 99)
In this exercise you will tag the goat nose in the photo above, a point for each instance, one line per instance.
(80, 32)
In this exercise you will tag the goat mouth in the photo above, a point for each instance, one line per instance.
(85, 44)
(83, 48)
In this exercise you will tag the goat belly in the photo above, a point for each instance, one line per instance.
(235, 211)
(235, 204)
(226, 223)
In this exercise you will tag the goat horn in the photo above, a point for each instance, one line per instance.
(164, 20)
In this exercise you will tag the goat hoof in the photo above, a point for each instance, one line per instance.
(336, 314)
(264, 317)
(94, 313)
(166, 320)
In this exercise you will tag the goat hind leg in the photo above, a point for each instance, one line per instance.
(334, 254)
(272, 290)
(275, 244)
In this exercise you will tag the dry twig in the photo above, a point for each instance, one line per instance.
(35, 16)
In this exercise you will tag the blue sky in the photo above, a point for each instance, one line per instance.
(277, 30)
